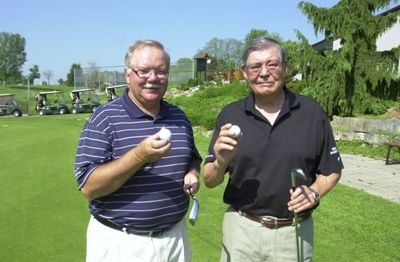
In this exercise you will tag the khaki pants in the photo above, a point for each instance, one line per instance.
(247, 240)
(109, 245)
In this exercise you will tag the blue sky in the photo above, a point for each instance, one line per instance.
(60, 33)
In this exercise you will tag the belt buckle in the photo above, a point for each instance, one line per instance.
(266, 219)
(152, 233)
(156, 233)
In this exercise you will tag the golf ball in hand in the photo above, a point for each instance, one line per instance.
(165, 134)
(235, 131)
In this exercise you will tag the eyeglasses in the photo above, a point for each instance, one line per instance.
(255, 69)
(145, 73)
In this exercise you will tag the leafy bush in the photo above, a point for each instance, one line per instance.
(195, 82)
(377, 107)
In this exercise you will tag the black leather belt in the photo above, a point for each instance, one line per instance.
(152, 233)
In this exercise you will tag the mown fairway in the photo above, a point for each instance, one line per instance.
(42, 213)
(43, 217)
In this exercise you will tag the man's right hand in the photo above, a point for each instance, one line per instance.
(225, 146)
(152, 149)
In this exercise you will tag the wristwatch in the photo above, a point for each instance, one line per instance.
(316, 197)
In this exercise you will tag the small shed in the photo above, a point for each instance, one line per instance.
(201, 65)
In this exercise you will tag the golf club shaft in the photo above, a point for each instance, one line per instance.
(296, 225)
(297, 173)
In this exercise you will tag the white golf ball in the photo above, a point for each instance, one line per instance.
(235, 131)
(165, 134)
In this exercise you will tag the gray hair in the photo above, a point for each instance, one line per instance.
(262, 43)
(142, 43)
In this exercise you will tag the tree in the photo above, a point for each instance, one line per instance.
(33, 74)
(92, 76)
(293, 57)
(228, 49)
(351, 79)
(216, 69)
(71, 75)
(12, 56)
(184, 63)
(261, 33)
(48, 74)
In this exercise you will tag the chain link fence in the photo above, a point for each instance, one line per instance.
(101, 77)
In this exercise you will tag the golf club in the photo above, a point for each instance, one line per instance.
(195, 208)
(297, 173)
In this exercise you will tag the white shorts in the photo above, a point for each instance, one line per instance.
(110, 245)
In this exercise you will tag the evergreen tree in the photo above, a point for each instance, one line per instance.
(33, 73)
(351, 79)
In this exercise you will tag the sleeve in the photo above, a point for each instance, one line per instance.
(195, 155)
(93, 150)
(330, 160)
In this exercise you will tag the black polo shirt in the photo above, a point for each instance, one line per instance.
(259, 174)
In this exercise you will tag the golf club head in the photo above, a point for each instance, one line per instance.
(194, 212)
(297, 172)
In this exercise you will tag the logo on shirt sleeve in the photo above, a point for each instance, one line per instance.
(333, 150)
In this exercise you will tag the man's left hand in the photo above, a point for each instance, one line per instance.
(301, 199)
(191, 182)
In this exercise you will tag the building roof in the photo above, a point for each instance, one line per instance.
(328, 43)
(201, 55)
(391, 10)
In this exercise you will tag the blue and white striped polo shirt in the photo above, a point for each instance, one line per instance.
(153, 198)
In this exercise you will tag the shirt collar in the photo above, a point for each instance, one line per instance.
(135, 112)
(291, 102)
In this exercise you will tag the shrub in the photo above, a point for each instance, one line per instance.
(203, 106)
(195, 82)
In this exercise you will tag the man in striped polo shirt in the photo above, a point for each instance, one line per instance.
(137, 183)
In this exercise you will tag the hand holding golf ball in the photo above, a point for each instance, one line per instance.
(154, 147)
(235, 132)
(165, 134)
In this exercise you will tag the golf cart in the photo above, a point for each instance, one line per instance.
(84, 101)
(8, 105)
(50, 103)
(113, 92)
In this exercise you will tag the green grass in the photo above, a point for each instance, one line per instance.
(44, 217)
(358, 147)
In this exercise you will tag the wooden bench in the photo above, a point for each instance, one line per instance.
(390, 161)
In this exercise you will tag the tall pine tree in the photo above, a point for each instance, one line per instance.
(351, 79)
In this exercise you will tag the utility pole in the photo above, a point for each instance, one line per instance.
(29, 93)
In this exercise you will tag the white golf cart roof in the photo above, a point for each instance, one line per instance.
(49, 92)
(82, 90)
(116, 86)
(6, 98)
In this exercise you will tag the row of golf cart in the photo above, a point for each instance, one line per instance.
(53, 102)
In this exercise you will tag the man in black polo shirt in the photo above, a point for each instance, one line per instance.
(280, 131)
